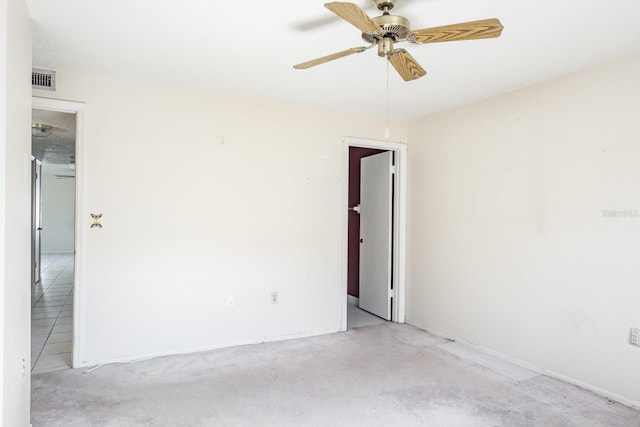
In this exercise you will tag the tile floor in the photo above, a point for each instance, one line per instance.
(52, 315)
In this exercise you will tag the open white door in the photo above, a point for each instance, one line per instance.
(376, 225)
(36, 219)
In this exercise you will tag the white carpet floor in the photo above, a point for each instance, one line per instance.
(380, 375)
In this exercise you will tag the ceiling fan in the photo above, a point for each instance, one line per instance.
(42, 130)
(386, 30)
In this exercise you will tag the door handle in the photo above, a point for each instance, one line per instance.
(356, 209)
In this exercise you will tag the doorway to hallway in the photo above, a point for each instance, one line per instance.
(375, 231)
(55, 139)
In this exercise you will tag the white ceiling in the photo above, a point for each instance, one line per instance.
(247, 48)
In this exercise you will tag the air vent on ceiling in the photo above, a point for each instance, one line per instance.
(43, 79)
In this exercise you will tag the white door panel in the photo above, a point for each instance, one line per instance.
(36, 221)
(376, 234)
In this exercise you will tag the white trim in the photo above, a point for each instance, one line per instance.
(79, 244)
(400, 226)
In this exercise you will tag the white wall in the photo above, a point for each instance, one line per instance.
(58, 204)
(509, 248)
(15, 208)
(205, 197)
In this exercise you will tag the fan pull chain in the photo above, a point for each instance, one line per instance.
(386, 129)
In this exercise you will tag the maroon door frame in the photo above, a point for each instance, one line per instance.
(353, 235)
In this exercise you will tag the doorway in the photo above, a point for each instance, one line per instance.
(375, 253)
(56, 137)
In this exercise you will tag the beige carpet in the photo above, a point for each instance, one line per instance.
(381, 375)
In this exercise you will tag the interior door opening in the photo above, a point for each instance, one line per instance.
(374, 232)
(54, 195)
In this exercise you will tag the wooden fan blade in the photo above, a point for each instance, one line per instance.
(328, 58)
(355, 16)
(484, 29)
(406, 65)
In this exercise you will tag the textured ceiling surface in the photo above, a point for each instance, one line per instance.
(57, 145)
(247, 48)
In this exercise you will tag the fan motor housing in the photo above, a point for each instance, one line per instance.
(393, 26)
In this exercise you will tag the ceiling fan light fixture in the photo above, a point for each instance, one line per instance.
(40, 130)
(385, 47)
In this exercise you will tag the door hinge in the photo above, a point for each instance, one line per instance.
(392, 293)
(394, 169)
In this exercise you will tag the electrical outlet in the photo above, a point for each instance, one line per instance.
(274, 297)
(231, 301)
(634, 337)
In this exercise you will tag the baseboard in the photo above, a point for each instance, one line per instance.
(141, 358)
(604, 393)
